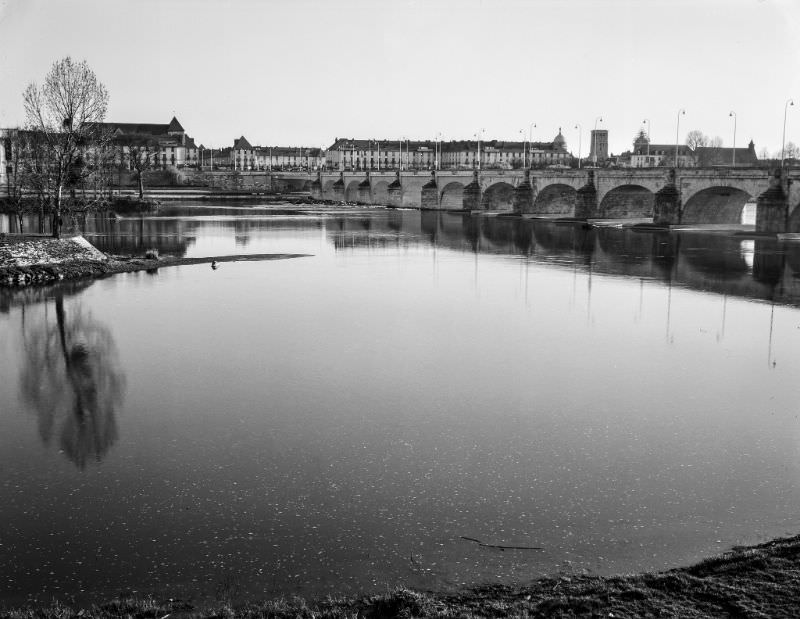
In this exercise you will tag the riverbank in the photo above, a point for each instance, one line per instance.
(35, 260)
(756, 581)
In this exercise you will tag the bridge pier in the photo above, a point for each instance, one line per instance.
(338, 188)
(395, 191)
(365, 191)
(316, 187)
(586, 199)
(523, 195)
(667, 203)
(471, 196)
(430, 194)
(772, 207)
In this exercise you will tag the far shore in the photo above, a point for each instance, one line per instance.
(754, 581)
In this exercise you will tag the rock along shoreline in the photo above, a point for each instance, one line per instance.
(28, 260)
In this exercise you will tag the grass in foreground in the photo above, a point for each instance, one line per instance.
(757, 581)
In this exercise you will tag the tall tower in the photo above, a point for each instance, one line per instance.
(598, 150)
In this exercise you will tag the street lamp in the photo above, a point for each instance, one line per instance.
(580, 130)
(437, 151)
(530, 141)
(733, 164)
(677, 130)
(479, 135)
(594, 139)
(783, 140)
(370, 159)
(647, 120)
(524, 152)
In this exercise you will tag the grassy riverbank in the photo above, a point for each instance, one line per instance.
(757, 581)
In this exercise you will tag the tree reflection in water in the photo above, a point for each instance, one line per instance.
(72, 379)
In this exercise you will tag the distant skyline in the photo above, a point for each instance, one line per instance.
(305, 72)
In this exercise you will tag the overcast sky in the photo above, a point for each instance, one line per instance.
(305, 71)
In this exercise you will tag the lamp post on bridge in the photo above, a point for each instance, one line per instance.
(647, 120)
(530, 141)
(677, 131)
(524, 151)
(437, 151)
(580, 130)
(407, 141)
(479, 135)
(783, 139)
(733, 163)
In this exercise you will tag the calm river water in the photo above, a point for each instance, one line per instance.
(342, 422)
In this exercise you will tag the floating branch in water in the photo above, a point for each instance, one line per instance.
(480, 543)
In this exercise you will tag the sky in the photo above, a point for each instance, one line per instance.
(292, 72)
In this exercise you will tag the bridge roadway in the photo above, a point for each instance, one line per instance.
(682, 195)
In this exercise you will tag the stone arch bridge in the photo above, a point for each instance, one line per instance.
(683, 195)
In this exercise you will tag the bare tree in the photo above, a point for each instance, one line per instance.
(641, 138)
(696, 138)
(790, 151)
(15, 165)
(715, 142)
(141, 153)
(66, 110)
(763, 153)
(29, 181)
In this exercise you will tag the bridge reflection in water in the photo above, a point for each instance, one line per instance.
(713, 261)
(722, 263)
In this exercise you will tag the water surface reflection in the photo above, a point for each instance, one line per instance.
(625, 400)
(71, 378)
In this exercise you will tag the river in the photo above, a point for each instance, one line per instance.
(610, 400)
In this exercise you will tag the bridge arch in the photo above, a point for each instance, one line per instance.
(555, 199)
(452, 196)
(627, 201)
(498, 197)
(380, 193)
(351, 192)
(715, 205)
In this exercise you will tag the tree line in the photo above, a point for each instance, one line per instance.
(696, 138)
(61, 163)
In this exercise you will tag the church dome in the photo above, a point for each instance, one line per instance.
(559, 141)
